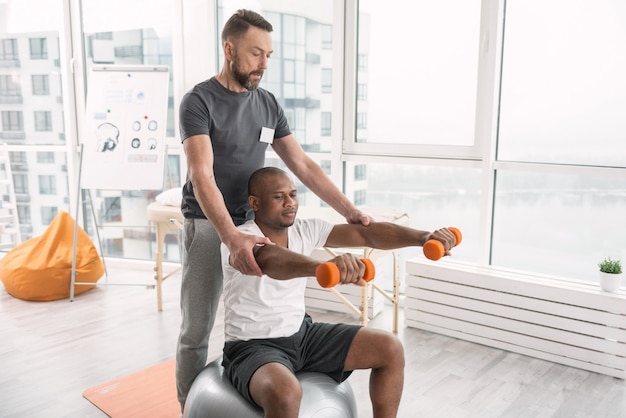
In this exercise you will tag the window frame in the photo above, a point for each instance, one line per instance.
(488, 35)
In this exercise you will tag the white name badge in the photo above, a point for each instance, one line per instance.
(267, 135)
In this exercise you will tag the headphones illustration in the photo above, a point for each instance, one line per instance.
(107, 135)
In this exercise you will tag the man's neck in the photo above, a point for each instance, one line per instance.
(228, 81)
(279, 237)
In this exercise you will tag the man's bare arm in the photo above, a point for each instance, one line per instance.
(281, 263)
(386, 236)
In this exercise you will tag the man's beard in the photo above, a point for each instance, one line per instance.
(243, 78)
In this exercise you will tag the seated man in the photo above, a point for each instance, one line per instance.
(269, 337)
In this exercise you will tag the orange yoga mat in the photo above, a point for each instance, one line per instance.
(147, 393)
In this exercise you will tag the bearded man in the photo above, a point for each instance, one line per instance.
(226, 124)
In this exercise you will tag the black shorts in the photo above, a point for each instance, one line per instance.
(316, 347)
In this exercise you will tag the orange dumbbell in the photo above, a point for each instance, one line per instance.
(434, 250)
(328, 275)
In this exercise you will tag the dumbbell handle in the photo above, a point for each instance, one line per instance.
(434, 250)
(328, 275)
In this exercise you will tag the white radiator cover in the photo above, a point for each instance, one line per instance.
(575, 324)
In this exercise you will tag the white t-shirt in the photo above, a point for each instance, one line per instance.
(262, 307)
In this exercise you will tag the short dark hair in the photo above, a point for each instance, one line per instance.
(240, 22)
(258, 178)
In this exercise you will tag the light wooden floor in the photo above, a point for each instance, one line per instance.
(50, 352)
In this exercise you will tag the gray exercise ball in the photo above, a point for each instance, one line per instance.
(212, 395)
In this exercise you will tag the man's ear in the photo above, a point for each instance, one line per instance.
(228, 50)
(254, 203)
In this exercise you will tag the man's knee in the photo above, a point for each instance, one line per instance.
(393, 349)
(282, 396)
(275, 388)
(375, 349)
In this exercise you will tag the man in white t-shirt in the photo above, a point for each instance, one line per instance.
(269, 336)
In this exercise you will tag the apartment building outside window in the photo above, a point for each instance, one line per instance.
(20, 185)
(41, 84)
(327, 80)
(48, 213)
(47, 184)
(361, 92)
(362, 62)
(38, 48)
(327, 36)
(10, 89)
(45, 157)
(23, 212)
(12, 120)
(360, 172)
(43, 121)
(8, 50)
(360, 197)
(327, 118)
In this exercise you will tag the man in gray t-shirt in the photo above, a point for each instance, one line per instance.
(234, 122)
(226, 124)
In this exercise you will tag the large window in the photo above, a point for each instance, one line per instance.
(418, 61)
(563, 95)
(433, 196)
(503, 118)
(561, 178)
(558, 223)
(33, 108)
(128, 34)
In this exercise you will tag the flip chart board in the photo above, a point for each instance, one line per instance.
(125, 128)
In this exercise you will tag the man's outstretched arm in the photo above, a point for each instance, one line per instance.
(386, 236)
(281, 263)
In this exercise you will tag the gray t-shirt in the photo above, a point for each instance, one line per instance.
(233, 121)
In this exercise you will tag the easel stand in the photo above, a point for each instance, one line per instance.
(73, 281)
(126, 135)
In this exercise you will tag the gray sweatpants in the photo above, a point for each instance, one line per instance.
(200, 293)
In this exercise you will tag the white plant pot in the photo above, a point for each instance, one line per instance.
(610, 282)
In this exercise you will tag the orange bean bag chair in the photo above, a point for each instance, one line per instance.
(40, 268)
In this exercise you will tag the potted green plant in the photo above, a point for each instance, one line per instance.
(610, 274)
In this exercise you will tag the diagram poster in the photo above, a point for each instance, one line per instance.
(126, 116)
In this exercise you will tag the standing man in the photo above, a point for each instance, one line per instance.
(226, 123)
